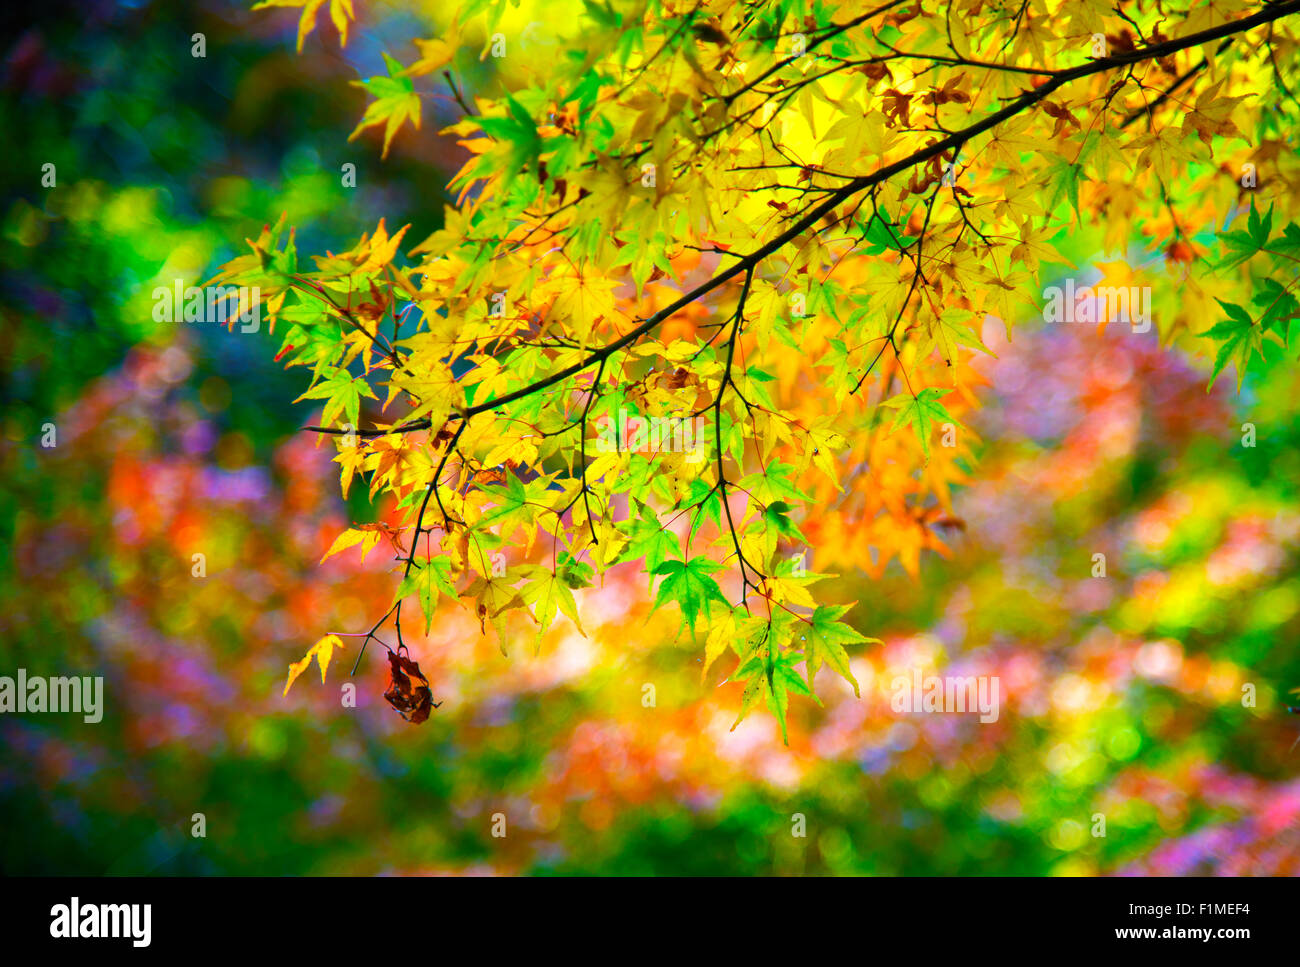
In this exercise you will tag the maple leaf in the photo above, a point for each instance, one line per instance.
(548, 591)
(374, 252)
(921, 411)
(1239, 335)
(435, 53)
(351, 458)
(772, 677)
(428, 577)
(1212, 115)
(340, 13)
(950, 329)
(367, 535)
(1246, 244)
(396, 102)
(896, 106)
(1165, 146)
(517, 133)
(494, 597)
(408, 690)
(322, 651)
(824, 641)
(268, 265)
(736, 630)
(393, 462)
(342, 393)
(1011, 140)
(1030, 247)
(822, 447)
(433, 385)
(648, 539)
(582, 300)
(688, 583)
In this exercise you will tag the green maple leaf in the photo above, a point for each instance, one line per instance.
(425, 581)
(773, 677)
(517, 506)
(688, 583)
(519, 131)
(773, 485)
(396, 102)
(573, 572)
(342, 394)
(707, 503)
(1278, 305)
(548, 592)
(824, 641)
(1238, 335)
(777, 516)
(1259, 228)
(648, 539)
(922, 411)
(1245, 244)
(1064, 179)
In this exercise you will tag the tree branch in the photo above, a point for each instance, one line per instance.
(748, 263)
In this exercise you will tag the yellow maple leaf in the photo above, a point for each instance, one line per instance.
(340, 13)
(366, 537)
(372, 252)
(351, 458)
(1213, 114)
(322, 651)
(436, 52)
(581, 300)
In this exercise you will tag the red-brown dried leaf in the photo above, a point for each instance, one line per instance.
(408, 689)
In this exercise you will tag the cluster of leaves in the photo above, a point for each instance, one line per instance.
(784, 220)
(1243, 332)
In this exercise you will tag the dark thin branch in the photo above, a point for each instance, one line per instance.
(469, 111)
